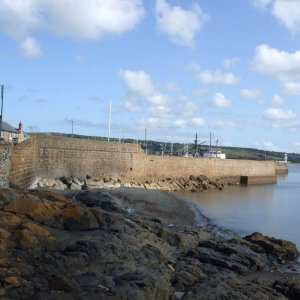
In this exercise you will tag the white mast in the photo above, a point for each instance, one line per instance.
(109, 120)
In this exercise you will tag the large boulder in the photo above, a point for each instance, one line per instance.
(39, 210)
(281, 249)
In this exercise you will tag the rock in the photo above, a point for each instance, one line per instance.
(179, 295)
(281, 249)
(88, 246)
(79, 219)
(32, 207)
(288, 286)
(75, 187)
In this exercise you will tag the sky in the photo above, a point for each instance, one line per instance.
(175, 68)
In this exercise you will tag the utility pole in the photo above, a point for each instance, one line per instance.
(2, 94)
(172, 143)
(119, 134)
(196, 146)
(72, 124)
(109, 120)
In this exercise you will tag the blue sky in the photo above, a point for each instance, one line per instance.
(174, 67)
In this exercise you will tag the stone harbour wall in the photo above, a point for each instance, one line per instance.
(5, 153)
(24, 166)
(53, 157)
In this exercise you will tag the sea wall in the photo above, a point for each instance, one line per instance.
(159, 167)
(24, 166)
(53, 157)
(281, 168)
(5, 154)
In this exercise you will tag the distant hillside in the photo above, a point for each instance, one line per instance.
(159, 148)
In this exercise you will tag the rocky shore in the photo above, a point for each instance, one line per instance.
(192, 184)
(131, 243)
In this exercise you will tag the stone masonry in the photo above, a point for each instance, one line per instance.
(5, 153)
(53, 157)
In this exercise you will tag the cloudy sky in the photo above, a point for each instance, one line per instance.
(174, 67)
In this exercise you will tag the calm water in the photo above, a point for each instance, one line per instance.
(270, 209)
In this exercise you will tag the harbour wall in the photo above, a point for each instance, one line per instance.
(53, 157)
(5, 154)
(281, 168)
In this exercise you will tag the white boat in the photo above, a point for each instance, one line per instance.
(214, 154)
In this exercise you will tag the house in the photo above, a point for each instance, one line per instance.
(11, 134)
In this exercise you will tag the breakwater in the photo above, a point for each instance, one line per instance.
(53, 157)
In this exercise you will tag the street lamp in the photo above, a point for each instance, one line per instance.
(2, 93)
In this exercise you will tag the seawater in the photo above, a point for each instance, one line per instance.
(273, 210)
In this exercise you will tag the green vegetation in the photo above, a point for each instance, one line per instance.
(156, 147)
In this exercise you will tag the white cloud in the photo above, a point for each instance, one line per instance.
(279, 118)
(292, 88)
(17, 18)
(198, 122)
(281, 65)
(77, 19)
(277, 100)
(138, 83)
(287, 13)
(141, 93)
(225, 124)
(250, 93)
(186, 107)
(159, 111)
(261, 3)
(221, 101)
(179, 24)
(158, 99)
(200, 92)
(180, 123)
(217, 77)
(276, 114)
(231, 62)
(151, 122)
(31, 48)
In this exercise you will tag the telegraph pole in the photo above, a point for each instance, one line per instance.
(172, 143)
(109, 120)
(2, 94)
(72, 122)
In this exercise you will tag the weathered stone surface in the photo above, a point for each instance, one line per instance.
(79, 219)
(32, 207)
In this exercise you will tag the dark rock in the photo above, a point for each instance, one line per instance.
(281, 249)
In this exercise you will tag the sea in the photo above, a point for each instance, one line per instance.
(272, 209)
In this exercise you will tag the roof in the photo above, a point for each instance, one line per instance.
(9, 128)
